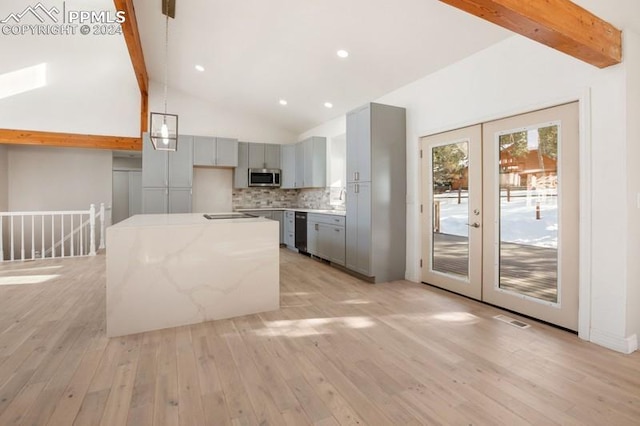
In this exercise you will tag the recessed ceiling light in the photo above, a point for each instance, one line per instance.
(200, 68)
(328, 104)
(342, 53)
(283, 102)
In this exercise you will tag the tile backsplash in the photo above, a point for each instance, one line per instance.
(253, 198)
(321, 198)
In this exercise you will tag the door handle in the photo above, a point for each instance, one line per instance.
(356, 176)
(317, 228)
(474, 225)
(357, 188)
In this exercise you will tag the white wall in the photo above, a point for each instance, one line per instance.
(212, 190)
(632, 60)
(199, 117)
(58, 178)
(4, 179)
(90, 85)
(519, 75)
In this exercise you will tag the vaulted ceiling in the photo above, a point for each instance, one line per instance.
(257, 52)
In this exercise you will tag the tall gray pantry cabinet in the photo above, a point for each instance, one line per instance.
(167, 177)
(376, 192)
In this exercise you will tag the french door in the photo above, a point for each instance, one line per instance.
(501, 213)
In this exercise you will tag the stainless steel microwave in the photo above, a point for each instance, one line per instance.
(264, 177)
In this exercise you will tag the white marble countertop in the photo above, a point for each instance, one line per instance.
(293, 209)
(147, 220)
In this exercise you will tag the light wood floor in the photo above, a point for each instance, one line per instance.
(339, 352)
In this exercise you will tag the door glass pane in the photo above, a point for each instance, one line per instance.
(450, 203)
(529, 212)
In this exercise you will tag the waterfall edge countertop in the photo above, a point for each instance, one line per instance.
(171, 270)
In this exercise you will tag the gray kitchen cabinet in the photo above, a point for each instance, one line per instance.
(219, 152)
(326, 237)
(311, 163)
(264, 156)
(272, 156)
(337, 251)
(256, 156)
(204, 151)
(331, 243)
(313, 231)
(241, 173)
(315, 162)
(359, 145)
(288, 165)
(299, 165)
(155, 166)
(358, 228)
(289, 229)
(180, 200)
(154, 200)
(167, 177)
(376, 182)
(226, 152)
(181, 164)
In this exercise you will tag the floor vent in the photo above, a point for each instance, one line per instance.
(512, 321)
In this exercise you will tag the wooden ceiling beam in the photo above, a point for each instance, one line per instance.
(559, 24)
(134, 45)
(69, 140)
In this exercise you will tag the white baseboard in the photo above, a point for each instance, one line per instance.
(620, 344)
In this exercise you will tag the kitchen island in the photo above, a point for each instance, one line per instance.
(179, 269)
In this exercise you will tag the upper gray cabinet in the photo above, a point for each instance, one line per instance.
(288, 165)
(264, 156)
(155, 166)
(241, 173)
(181, 164)
(204, 151)
(359, 145)
(226, 152)
(272, 156)
(210, 151)
(314, 163)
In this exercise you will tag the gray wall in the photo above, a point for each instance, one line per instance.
(4, 179)
(44, 178)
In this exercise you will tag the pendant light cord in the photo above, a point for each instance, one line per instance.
(166, 55)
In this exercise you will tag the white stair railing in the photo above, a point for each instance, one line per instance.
(50, 227)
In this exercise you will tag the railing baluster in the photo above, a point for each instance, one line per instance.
(42, 235)
(53, 240)
(12, 249)
(62, 235)
(72, 233)
(81, 240)
(92, 225)
(102, 223)
(22, 238)
(33, 237)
